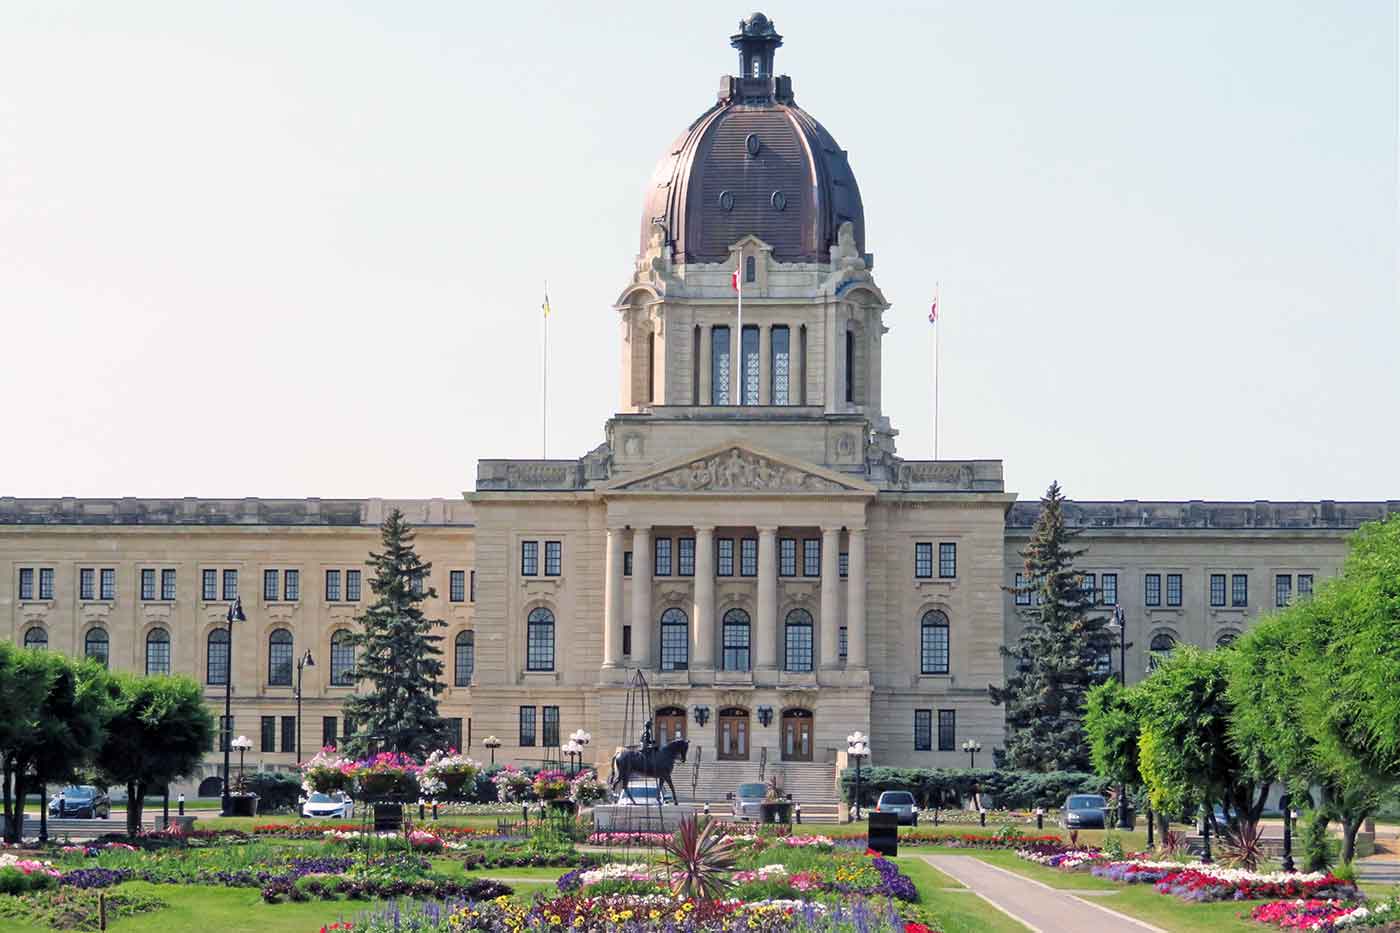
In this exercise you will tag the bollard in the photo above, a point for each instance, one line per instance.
(1039, 818)
(435, 810)
(799, 813)
(525, 814)
(422, 811)
(982, 817)
(182, 804)
(707, 808)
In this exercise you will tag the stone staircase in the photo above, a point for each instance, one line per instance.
(811, 784)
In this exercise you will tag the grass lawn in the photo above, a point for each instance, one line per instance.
(543, 874)
(956, 911)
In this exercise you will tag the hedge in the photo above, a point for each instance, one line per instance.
(950, 787)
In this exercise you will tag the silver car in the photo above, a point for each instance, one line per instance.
(901, 804)
(747, 801)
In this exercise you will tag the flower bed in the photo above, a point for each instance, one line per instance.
(1325, 915)
(976, 841)
(1138, 872)
(323, 830)
(1209, 883)
(628, 840)
(1057, 856)
(74, 909)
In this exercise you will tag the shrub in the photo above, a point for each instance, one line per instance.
(1316, 843)
(275, 791)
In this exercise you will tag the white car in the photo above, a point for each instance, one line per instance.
(336, 806)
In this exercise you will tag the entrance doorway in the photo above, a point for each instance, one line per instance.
(797, 735)
(670, 724)
(733, 734)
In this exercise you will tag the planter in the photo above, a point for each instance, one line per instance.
(778, 812)
(326, 781)
(454, 783)
(243, 805)
(388, 817)
(387, 784)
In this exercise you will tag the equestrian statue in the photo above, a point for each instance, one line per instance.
(648, 761)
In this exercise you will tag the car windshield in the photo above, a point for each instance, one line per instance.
(322, 798)
(897, 798)
(753, 790)
(77, 793)
(1087, 803)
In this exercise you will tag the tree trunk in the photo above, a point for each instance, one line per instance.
(135, 797)
(1350, 827)
(21, 789)
(1164, 826)
(5, 780)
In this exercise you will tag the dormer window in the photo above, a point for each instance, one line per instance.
(750, 269)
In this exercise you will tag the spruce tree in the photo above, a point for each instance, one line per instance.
(1058, 656)
(397, 654)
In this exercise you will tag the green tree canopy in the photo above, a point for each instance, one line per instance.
(26, 678)
(398, 654)
(1111, 722)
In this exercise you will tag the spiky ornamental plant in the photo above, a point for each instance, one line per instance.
(397, 654)
(1059, 655)
(704, 858)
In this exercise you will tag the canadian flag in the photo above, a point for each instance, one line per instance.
(734, 280)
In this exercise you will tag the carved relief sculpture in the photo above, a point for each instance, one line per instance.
(735, 469)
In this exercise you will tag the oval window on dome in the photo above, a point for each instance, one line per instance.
(726, 200)
(752, 144)
(779, 201)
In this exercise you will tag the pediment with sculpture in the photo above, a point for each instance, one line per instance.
(736, 469)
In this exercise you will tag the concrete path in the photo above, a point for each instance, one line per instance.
(1038, 906)
(1378, 870)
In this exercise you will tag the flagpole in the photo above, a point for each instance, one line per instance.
(741, 370)
(544, 377)
(937, 369)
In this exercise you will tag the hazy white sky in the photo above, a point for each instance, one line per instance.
(273, 249)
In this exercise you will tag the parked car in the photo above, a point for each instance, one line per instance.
(747, 801)
(83, 802)
(335, 805)
(1084, 811)
(901, 804)
(644, 792)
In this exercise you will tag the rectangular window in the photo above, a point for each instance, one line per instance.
(1152, 589)
(1304, 585)
(269, 586)
(1283, 590)
(787, 557)
(26, 583)
(349, 727)
(947, 730)
(1239, 590)
(947, 560)
(724, 560)
(781, 368)
(529, 558)
(841, 643)
(167, 584)
(553, 558)
(454, 732)
(332, 586)
(627, 563)
(549, 726)
(527, 726)
(923, 730)
(291, 585)
(471, 586)
(1089, 586)
(230, 585)
(87, 583)
(1217, 589)
(1023, 595)
(289, 734)
(627, 640)
(148, 584)
(812, 557)
(685, 557)
(748, 557)
(269, 734)
(352, 586)
(328, 733)
(720, 366)
(750, 369)
(209, 589)
(923, 560)
(662, 547)
(109, 583)
(1173, 589)
(843, 565)
(418, 584)
(46, 583)
(457, 586)
(1109, 596)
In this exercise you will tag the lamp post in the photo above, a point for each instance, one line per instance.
(242, 743)
(857, 747)
(1205, 832)
(303, 662)
(492, 743)
(580, 740)
(571, 748)
(235, 614)
(1119, 625)
(1285, 804)
(972, 747)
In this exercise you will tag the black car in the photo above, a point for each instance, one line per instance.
(1084, 811)
(84, 803)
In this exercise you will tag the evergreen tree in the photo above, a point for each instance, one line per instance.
(1059, 655)
(397, 654)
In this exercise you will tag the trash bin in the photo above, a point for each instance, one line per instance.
(883, 834)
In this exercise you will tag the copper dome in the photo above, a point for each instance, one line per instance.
(753, 164)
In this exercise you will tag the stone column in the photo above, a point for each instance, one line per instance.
(765, 365)
(831, 598)
(612, 601)
(855, 601)
(702, 645)
(766, 648)
(705, 352)
(641, 597)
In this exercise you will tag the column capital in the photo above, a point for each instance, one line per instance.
(832, 529)
(703, 529)
(767, 529)
(855, 531)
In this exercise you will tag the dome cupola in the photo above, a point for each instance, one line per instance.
(754, 164)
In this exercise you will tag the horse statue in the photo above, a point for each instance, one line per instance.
(649, 762)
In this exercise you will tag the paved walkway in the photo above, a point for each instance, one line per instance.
(1040, 907)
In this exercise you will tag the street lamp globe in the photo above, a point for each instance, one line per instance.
(242, 743)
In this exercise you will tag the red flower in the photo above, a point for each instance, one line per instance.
(872, 852)
(912, 927)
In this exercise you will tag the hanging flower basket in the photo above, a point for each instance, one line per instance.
(551, 785)
(327, 772)
(449, 776)
(387, 775)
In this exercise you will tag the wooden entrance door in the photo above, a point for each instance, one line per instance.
(733, 743)
(797, 735)
(670, 724)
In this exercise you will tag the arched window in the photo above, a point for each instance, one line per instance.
(1226, 640)
(675, 640)
(95, 645)
(465, 659)
(797, 641)
(750, 269)
(217, 662)
(539, 640)
(850, 366)
(736, 641)
(342, 659)
(933, 643)
(1162, 644)
(36, 637)
(279, 658)
(157, 651)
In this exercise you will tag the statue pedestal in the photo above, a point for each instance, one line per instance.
(615, 818)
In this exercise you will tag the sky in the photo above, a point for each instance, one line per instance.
(286, 250)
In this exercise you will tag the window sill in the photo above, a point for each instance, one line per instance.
(540, 677)
(933, 680)
(943, 583)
